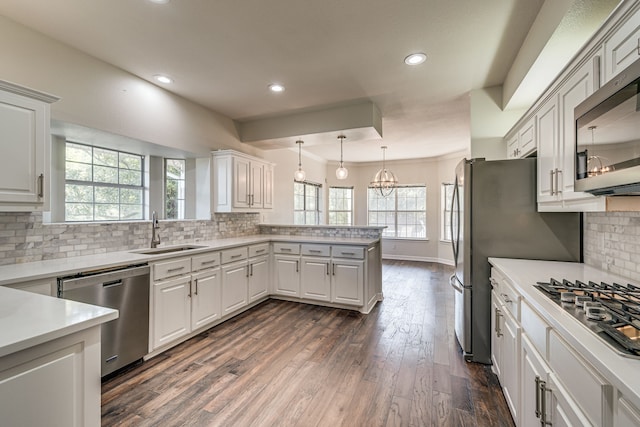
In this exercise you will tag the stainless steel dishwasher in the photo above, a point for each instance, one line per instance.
(125, 339)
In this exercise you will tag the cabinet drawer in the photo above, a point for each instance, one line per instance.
(235, 254)
(286, 248)
(588, 389)
(347, 252)
(210, 260)
(257, 250)
(316, 250)
(509, 298)
(535, 328)
(171, 268)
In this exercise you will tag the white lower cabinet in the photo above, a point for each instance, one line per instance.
(41, 286)
(286, 275)
(347, 281)
(171, 310)
(626, 414)
(562, 409)
(258, 278)
(205, 298)
(316, 278)
(235, 293)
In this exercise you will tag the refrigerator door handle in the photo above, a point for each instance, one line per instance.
(453, 280)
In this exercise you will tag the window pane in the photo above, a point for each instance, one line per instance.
(130, 177)
(131, 196)
(130, 161)
(107, 212)
(78, 193)
(131, 212)
(105, 157)
(78, 171)
(107, 194)
(78, 153)
(105, 174)
(78, 212)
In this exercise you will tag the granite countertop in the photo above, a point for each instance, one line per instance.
(16, 273)
(622, 372)
(29, 319)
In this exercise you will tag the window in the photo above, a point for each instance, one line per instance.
(341, 205)
(447, 196)
(102, 185)
(174, 188)
(306, 203)
(404, 212)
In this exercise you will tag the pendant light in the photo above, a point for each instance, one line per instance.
(341, 172)
(299, 175)
(384, 182)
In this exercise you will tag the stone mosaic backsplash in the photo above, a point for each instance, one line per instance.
(322, 230)
(24, 238)
(612, 243)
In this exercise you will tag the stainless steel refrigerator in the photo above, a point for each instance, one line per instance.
(494, 214)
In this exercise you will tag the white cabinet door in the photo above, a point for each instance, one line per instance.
(256, 188)
(510, 374)
(234, 286)
(548, 150)
(627, 415)
(172, 310)
(42, 286)
(347, 282)
(286, 280)
(258, 278)
(622, 48)
(24, 159)
(241, 182)
(267, 194)
(527, 138)
(533, 371)
(205, 298)
(562, 410)
(316, 278)
(497, 337)
(512, 146)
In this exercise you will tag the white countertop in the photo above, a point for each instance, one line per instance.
(28, 319)
(622, 372)
(16, 273)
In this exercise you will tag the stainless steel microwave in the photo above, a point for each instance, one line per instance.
(608, 137)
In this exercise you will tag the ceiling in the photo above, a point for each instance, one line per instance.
(224, 54)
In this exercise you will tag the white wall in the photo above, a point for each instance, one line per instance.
(98, 95)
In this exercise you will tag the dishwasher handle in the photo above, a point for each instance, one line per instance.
(107, 278)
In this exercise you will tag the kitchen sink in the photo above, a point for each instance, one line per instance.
(166, 250)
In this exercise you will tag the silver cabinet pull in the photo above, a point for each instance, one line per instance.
(189, 294)
(208, 262)
(537, 396)
(558, 172)
(543, 403)
(251, 270)
(506, 298)
(347, 253)
(297, 266)
(41, 185)
(247, 270)
(171, 270)
(315, 251)
(258, 251)
(236, 256)
(327, 269)
(196, 280)
(334, 268)
(497, 327)
(551, 181)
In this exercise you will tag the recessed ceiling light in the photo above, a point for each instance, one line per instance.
(160, 1)
(415, 58)
(276, 88)
(163, 79)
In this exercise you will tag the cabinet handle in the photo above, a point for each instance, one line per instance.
(41, 185)
(327, 269)
(347, 253)
(551, 181)
(171, 270)
(236, 256)
(315, 251)
(259, 251)
(297, 266)
(208, 262)
(493, 282)
(247, 270)
(196, 293)
(558, 172)
(537, 396)
(189, 294)
(497, 327)
(506, 298)
(334, 268)
(543, 403)
(285, 249)
(251, 270)
(638, 48)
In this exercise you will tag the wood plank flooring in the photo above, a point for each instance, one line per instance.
(289, 364)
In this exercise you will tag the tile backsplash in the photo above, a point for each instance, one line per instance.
(322, 230)
(24, 238)
(612, 242)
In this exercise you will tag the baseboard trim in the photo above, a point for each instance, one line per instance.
(417, 258)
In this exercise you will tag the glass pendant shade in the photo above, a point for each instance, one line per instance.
(384, 182)
(341, 172)
(299, 175)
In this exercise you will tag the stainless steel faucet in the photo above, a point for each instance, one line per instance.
(155, 236)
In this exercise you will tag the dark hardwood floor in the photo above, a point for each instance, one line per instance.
(288, 364)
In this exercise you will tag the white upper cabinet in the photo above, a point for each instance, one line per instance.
(25, 148)
(622, 47)
(241, 183)
(522, 142)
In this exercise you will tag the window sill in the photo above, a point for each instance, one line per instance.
(407, 239)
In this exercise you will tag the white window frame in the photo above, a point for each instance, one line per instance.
(392, 231)
(347, 211)
(445, 230)
(97, 184)
(315, 212)
(181, 207)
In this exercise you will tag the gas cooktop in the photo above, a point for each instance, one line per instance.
(611, 311)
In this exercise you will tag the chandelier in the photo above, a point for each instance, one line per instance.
(299, 175)
(384, 182)
(595, 166)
